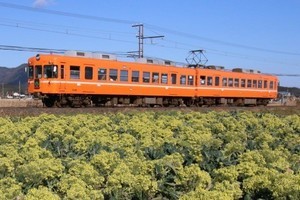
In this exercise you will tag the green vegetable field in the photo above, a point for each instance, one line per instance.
(150, 155)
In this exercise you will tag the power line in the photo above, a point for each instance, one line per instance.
(84, 29)
(212, 51)
(175, 32)
(50, 50)
(34, 26)
(89, 17)
(67, 14)
(225, 53)
(31, 49)
(66, 33)
(61, 51)
(290, 75)
(189, 35)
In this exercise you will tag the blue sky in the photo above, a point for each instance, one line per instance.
(256, 34)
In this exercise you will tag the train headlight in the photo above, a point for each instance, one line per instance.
(37, 57)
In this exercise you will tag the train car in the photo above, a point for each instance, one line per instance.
(80, 79)
(237, 87)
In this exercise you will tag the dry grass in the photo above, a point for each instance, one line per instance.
(20, 103)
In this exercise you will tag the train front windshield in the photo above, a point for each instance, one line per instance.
(38, 71)
(46, 71)
(30, 72)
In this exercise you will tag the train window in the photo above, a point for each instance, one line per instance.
(271, 85)
(124, 75)
(224, 82)
(74, 72)
(236, 82)
(190, 80)
(30, 72)
(38, 71)
(146, 77)
(259, 83)
(88, 73)
(155, 77)
(217, 81)
(62, 71)
(243, 83)
(254, 83)
(50, 71)
(149, 61)
(209, 80)
(164, 78)
(102, 74)
(174, 78)
(183, 80)
(230, 82)
(135, 76)
(249, 83)
(113, 74)
(265, 84)
(202, 80)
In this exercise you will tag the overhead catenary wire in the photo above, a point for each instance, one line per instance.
(16, 23)
(62, 51)
(212, 51)
(172, 44)
(177, 45)
(220, 42)
(31, 49)
(51, 50)
(67, 14)
(121, 21)
(67, 32)
(71, 31)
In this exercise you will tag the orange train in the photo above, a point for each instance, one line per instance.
(81, 79)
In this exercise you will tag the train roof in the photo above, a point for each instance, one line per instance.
(154, 61)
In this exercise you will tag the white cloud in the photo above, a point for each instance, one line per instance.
(41, 3)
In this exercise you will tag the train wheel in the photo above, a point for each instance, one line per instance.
(58, 104)
(48, 102)
(189, 102)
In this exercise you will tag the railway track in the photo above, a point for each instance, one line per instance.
(34, 111)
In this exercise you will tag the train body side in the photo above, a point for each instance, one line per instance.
(56, 76)
(226, 84)
(152, 80)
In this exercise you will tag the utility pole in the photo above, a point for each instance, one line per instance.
(19, 89)
(141, 38)
(2, 90)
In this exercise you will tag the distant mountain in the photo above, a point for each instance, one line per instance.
(293, 90)
(10, 78)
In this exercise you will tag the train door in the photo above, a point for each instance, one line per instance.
(217, 84)
(62, 85)
(196, 83)
(173, 83)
